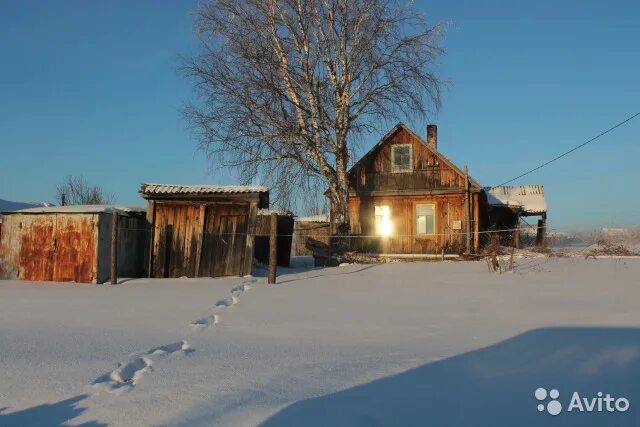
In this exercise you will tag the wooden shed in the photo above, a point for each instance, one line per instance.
(72, 243)
(315, 227)
(202, 230)
(509, 204)
(284, 239)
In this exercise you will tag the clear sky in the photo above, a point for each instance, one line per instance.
(91, 88)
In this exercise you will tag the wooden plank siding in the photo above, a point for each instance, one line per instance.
(404, 239)
(303, 230)
(206, 239)
(177, 230)
(430, 170)
(224, 240)
(432, 180)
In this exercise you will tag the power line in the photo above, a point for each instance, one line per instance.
(628, 119)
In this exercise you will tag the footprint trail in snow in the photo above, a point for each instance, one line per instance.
(213, 317)
(129, 373)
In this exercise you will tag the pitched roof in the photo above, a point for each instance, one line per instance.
(169, 189)
(440, 156)
(529, 199)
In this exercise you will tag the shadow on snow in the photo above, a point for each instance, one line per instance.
(47, 414)
(493, 386)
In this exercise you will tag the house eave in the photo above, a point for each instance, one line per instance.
(425, 192)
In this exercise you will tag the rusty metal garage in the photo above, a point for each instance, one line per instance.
(72, 243)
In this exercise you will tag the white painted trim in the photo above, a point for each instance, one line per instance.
(415, 216)
(393, 163)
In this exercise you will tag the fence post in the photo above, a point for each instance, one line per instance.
(114, 248)
(273, 248)
(516, 233)
(467, 209)
(539, 233)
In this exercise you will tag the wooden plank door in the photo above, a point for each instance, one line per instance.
(224, 241)
(176, 241)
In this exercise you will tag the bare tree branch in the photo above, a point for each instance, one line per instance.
(76, 191)
(286, 88)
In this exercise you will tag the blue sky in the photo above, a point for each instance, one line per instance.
(92, 88)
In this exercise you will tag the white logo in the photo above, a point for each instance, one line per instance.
(554, 407)
(601, 403)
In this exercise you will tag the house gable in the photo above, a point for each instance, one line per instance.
(430, 170)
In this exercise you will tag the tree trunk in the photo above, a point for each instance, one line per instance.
(340, 205)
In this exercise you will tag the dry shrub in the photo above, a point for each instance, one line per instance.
(610, 249)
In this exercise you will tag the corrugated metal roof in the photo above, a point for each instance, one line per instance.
(528, 199)
(81, 209)
(166, 189)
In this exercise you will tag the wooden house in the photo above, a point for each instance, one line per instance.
(72, 243)
(406, 197)
(202, 230)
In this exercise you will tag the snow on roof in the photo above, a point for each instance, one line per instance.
(8, 206)
(275, 211)
(162, 189)
(314, 218)
(528, 199)
(83, 209)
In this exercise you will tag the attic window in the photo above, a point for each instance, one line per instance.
(401, 158)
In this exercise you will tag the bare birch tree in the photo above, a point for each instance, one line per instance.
(286, 87)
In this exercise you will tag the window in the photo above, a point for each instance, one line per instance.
(401, 158)
(383, 220)
(425, 219)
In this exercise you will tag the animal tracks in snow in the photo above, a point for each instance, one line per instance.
(213, 318)
(128, 373)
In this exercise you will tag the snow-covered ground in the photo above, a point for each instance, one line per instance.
(420, 343)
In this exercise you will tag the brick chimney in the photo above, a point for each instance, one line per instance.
(432, 136)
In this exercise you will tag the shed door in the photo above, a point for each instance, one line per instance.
(75, 249)
(37, 248)
(224, 241)
(58, 247)
(176, 250)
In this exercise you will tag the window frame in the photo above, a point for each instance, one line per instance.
(397, 169)
(415, 209)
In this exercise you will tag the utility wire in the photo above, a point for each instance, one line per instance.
(628, 119)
